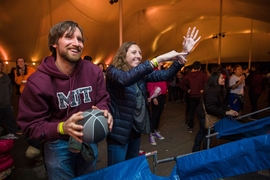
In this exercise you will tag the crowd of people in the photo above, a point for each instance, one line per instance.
(131, 92)
(223, 92)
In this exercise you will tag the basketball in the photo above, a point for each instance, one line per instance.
(95, 126)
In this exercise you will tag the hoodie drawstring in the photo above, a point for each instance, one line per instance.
(71, 85)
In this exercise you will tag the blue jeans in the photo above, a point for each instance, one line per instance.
(194, 102)
(235, 102)
(120, 153)
(200, 136)
(63, 164)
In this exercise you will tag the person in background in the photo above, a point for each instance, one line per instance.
(126, 81)
(157, 101)
(55, 97)
(193, 83)
(256, 86)
(88, 58)
(228, 70)
(12, 78)
(22, 73)
(12, 75)
(237, 84)
(186, 71)
(246, 71)
(102, 67)
(172, 89)
(213, 98)
(218, 68)
(7, 119)
(180, 91)
(268, 85)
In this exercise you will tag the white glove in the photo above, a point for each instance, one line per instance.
(189, 41)
(188, 44)
(156, 92)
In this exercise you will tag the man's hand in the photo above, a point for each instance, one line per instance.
(190, 40)
(72, 129)
(107, 115)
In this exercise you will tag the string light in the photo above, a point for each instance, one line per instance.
(218, 35)
(113, 1)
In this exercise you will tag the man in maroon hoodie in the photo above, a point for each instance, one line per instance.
(55, 96)
(255, 82)
(193, 83)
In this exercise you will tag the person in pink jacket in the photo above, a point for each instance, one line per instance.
(157, 98)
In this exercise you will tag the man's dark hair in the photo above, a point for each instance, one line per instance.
(256, 66)
(58, 31)
(227, 65)
(196, 65)
(88, 58)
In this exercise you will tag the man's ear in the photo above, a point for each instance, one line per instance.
(54, 45)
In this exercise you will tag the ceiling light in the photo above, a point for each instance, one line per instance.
(113, 1)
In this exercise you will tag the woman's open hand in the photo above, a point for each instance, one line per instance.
(190, 40)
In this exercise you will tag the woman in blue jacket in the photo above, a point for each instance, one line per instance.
(126, 81)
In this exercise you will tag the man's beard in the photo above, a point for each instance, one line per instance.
(67, 57)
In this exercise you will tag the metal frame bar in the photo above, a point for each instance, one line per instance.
(209, 135)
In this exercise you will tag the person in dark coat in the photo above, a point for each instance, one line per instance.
(255, 83)
(213, 98)
(194, 84)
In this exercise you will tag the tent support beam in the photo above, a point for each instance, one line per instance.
(220, 30)
(250, 45)
(120, 22)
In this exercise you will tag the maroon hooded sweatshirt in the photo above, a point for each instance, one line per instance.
(50, 97)
(195, 81)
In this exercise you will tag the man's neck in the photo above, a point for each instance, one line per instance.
(64, 66)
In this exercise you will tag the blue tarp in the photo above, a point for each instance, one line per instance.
(231, 159)
(229, 126)
(133, 169)
(235, 158)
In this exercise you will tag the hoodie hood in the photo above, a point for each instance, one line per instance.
(48, 67)
(195, 74)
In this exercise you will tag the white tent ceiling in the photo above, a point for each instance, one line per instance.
(156, 25)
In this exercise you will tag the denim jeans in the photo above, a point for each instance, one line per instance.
(194, 102)
(172, 92)
(200, 136)
(235, 103)
(253, 98)
(119, 153)
(63, 164)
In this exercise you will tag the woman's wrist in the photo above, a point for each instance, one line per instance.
(154, 62)
(184, 54)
